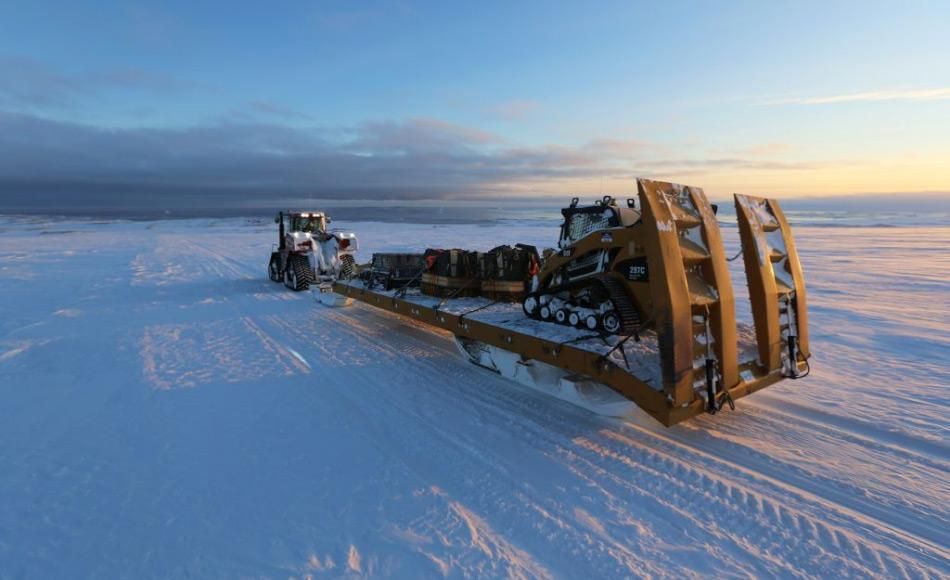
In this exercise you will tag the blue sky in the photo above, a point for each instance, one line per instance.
(459, 100)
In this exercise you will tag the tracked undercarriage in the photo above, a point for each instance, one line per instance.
(637, 299)
(593, 302)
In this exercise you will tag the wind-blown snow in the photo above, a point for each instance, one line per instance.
(166, 411)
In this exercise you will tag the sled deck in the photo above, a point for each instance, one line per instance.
(687, 354)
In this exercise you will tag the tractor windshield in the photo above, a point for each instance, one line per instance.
(309, 224)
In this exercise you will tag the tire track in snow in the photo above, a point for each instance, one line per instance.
(881, 519)
(890, 563)
(504, 557)
(365, 332)
(177, 259)
(910, 448)
(908, 515)
(767, 506)
(226, 264)
(717, 472)
(494, 482)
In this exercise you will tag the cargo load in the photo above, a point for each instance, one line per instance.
(506, 271)
(450, 273)
(393, 270)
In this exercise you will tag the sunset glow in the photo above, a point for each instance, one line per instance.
(431, 101)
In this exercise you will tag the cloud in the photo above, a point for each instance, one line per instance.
(766, 149)
(687, 166)
(419, 134)
(52, 162)
(32, 83)
(617, 148)
(870, 96)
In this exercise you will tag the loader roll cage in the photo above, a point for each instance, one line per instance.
(605, 214)
(580, 221)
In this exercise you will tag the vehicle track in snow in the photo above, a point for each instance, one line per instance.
(683, 479)
(472, 474)
(885, 499)
(425, 444)
(744, 511)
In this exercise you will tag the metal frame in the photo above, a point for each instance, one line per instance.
(688, 300)
(566, 356)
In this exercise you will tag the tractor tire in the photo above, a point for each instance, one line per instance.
(273, 267)
(298, 276)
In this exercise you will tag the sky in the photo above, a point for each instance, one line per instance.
(205, 103)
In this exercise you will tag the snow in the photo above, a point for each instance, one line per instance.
(167, 411)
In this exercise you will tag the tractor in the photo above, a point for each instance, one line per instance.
(308, 253)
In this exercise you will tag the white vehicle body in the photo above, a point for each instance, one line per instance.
(327, 251)
(308, 252)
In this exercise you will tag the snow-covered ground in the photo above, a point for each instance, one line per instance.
(166, 411)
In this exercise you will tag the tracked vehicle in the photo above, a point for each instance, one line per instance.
(598, 276)
(636, 305)
(307, 252)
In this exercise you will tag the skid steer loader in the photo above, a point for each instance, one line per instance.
(660, 266)
(307, 253)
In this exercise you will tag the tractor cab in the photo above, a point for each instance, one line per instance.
(604, 214)
(308, 222)
(298, 229)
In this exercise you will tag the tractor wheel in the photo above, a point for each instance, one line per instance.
(299, 276)
(273, 267)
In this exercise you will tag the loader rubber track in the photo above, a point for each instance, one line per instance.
(629, 317)
(615, 292)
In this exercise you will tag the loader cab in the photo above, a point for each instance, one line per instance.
(605, 214)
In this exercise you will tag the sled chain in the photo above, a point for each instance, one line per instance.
(402, 290)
